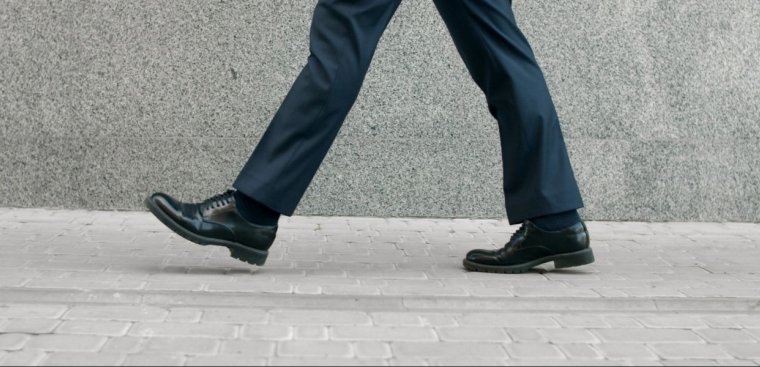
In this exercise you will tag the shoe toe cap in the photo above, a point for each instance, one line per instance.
(165, 203)
(480, 256)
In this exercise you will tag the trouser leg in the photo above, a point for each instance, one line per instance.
(343, 38)
(538, 177)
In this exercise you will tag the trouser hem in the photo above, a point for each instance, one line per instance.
(262, 193)
(558, 203)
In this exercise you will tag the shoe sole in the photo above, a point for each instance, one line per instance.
(237, 250)
(583, 257)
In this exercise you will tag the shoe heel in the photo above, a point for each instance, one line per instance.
(579, 258)
(250, 256)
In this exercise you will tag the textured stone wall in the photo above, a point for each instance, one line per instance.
(105, 101)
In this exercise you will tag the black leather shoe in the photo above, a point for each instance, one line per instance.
(531, 246)
(215, 221)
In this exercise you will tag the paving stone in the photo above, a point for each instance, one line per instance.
(27, 311)
(508, 320)
(747, 321)
(106, 328)
(396, 319)
(560, 362)
(29, 326)
(463, 333)
(369, 349)
(467, 362)
(742, 350)
(648, 336)
(250, 287)
(672, 321)
(267, 332)
(720, 322)
(67, 266)
(376, 291)
(10, 342)
(736, 362)
(447, 349)
(116, 313)
(183, 345)
(689, 351)
(582, 321)
(227, 360)
(319, 317)
(154, 359)
(438, 320)
(358, 290)
(84, 284)
(622, 322)
(124, 344)
(556, 292)
(580, 352)
(206, 330)
(718, 336)
(184, 315)
(627, 351)
(82, 359)
(249, 347)
(382, 333)
(174, 286)
(399, 274)
(422, 290)
(13, 281)
(533, 351)
(563, 336)
(329, 361)
(653, 292)
(690, 362)
(408, 362)
(303, 348)
(66, 343)
(235, 316)
(311, 332)
(306, 289)
(526, 335)
(22, 358)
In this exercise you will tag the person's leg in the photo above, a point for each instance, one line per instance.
(343, 38)
(538, 177)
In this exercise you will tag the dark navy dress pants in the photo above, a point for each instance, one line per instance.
(538, 177)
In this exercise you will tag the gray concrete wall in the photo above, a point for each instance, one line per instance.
(105, 101)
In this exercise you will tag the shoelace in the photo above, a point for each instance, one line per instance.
(218, 200)
(518, 232)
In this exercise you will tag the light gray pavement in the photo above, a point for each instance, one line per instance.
(87, 287)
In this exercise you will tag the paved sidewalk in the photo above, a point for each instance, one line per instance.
(84, 287)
